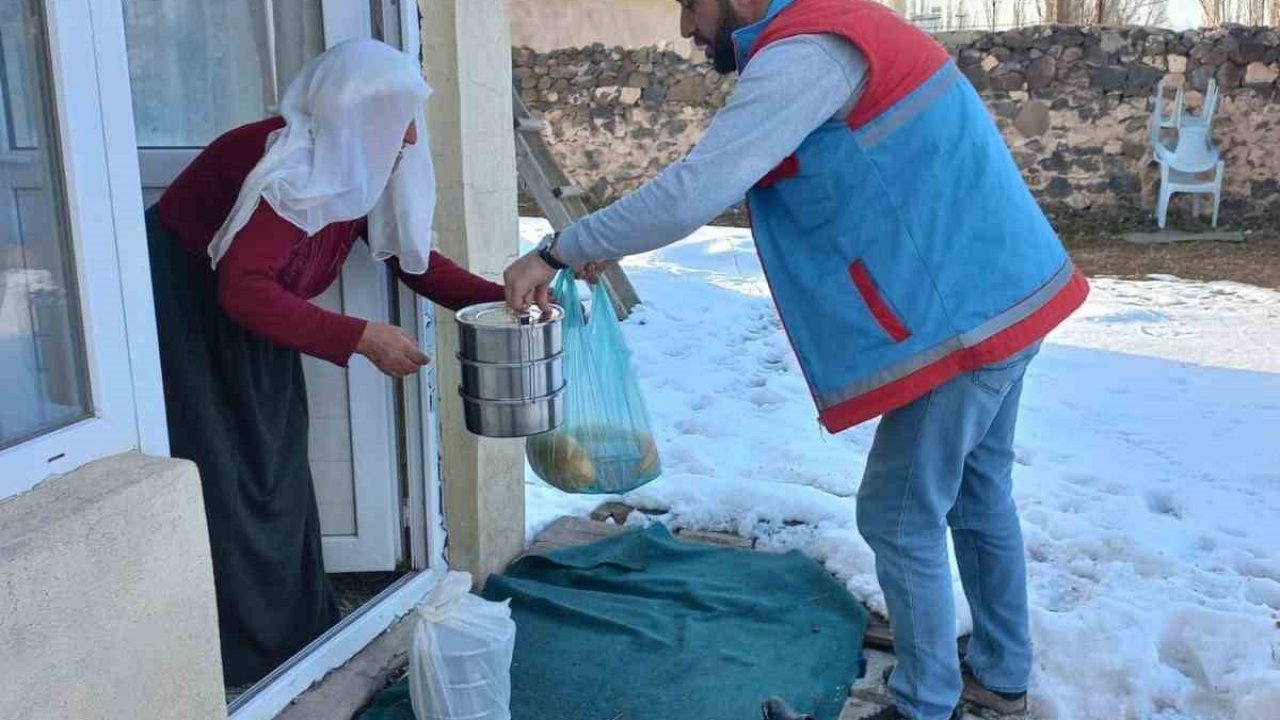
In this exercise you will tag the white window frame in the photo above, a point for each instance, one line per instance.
(108, 240)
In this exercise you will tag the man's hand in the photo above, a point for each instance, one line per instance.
(592, 271)
(528, 282)
(391, 350)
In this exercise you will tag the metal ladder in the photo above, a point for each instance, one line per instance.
(559, 199)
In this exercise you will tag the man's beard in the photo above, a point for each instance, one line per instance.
(724, 56)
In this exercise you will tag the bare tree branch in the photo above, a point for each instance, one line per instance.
(1212, 12)
(1117, 12)
(1257, 12)
(1049, 10)
(993, 9)
(1247, 12)
(1020, 13)
(1137, 12)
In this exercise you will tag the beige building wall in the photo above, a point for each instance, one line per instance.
(106, 596)
(467, 56)
(552, 24)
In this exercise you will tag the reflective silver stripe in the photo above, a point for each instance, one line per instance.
(917, 102)
(1022, 310)
(891, 374)
(1014, 315)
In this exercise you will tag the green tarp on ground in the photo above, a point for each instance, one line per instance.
(642, 626)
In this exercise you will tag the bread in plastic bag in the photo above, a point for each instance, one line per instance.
(605, 443)
(460, 655)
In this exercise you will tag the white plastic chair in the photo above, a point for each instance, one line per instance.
(1169, 121)
(1183, 168)
(1159, 122)
(1205, 119)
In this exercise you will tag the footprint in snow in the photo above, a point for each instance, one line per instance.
(702, 402)
(1256, 568)
(1022, 456)
(774, 359)
(694, 426)
(1164, 331)
(1161, 502)
(676, 351)
(766, 399)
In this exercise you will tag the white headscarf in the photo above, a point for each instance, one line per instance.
(336, 157)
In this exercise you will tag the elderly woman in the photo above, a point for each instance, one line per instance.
(261, 221)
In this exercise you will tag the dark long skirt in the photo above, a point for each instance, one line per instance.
(237, 407)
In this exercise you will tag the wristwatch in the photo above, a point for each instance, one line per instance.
(544, 251)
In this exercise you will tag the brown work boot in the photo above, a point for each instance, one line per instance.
(1001, 703)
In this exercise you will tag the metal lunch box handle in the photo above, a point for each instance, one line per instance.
(526, 368)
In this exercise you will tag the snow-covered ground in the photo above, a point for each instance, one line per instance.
(1148, 474)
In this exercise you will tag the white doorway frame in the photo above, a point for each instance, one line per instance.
(422, 512)
(333, 649)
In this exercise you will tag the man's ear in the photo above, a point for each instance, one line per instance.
(750, 10)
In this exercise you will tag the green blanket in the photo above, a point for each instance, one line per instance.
(642, 626)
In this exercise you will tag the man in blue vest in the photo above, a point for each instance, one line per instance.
(915, 275)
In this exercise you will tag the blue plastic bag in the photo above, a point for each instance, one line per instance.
(605, 444)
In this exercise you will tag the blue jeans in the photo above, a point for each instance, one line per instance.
(946, 460)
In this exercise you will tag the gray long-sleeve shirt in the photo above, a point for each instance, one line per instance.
(787, 91)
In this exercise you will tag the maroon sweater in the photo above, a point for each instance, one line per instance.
(272, 269)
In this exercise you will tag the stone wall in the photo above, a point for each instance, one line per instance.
(1073, 104)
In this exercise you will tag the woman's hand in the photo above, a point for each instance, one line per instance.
(528, 282)
(391, 349)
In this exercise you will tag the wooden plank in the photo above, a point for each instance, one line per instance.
(572, 531)
(619, 512)
(615, 510)
(880, 637)
(545, 180)
(728, 540)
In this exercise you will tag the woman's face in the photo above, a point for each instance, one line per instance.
(410, 138)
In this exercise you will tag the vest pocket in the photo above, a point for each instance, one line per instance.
(879, 307)
(788, 168)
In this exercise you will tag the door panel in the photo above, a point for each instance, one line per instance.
(332, 466)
